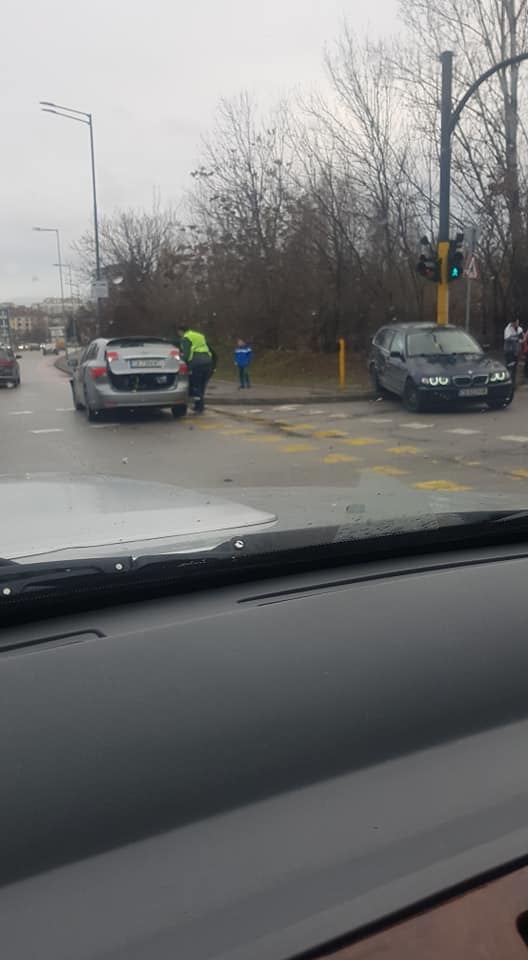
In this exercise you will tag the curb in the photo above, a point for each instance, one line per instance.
(301, 401)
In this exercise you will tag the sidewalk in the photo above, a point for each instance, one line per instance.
(224, 392)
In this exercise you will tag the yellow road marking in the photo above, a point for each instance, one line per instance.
(320, 434)
(298, 426)
(446, 486)
(265, 438)
(520, 473)
(236, 433)
(390, 471)
(472, 463)
(362, 441)
(341, 458)
(297, 448)
(402, 450)
(212, 426)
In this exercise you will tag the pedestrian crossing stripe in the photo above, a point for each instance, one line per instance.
(443, 486)
(341, 458)
(361, 441)
(297, 448)
(389, 471)
(400, 451)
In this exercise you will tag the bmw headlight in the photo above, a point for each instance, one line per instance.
(499, 376)
(435, 381)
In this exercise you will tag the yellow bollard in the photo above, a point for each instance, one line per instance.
(342, 358)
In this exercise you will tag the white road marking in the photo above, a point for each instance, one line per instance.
(379, 419)
(463, 432)
(317, 413)
(102, 426)
(337, 416)
(514, 439)
(64, 409)
(418, 426)
(256, 410)
(287, 406)
(19, 413)
(49, 430)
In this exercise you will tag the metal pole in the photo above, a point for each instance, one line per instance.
(96, 230)
(473, 243)
(342, 368)
(59, 257)
(442, 307)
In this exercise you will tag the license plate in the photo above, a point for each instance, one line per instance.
(146, 364)
(473, 392)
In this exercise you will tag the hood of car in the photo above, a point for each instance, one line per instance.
(56, 517)
(455, 364)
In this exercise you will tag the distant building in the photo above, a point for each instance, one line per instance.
(28, 322)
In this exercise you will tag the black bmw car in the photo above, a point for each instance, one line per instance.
(424, 364)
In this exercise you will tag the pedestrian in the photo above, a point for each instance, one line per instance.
(243, 357)
(513, 337)
(201, 360)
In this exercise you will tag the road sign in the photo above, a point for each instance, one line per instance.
(99, 289)
(471, 270)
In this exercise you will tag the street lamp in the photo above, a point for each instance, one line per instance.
(59, 264)
(82, 117)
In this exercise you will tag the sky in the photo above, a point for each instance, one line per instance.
(151, 73)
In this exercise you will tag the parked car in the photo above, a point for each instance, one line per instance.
(48, 348)
(130, 372)
(9, 368)
(425, 364)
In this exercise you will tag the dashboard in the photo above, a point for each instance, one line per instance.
(293, 767)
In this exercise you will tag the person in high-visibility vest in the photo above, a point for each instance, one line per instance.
(201, 360)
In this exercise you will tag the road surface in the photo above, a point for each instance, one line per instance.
(249, 453)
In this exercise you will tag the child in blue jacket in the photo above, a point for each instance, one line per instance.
(243, 356)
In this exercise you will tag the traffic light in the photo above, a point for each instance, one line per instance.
(455, 263)
(428, 266)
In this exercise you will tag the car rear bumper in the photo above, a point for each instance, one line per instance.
(106, 398)
(10, 377)
(495, 392)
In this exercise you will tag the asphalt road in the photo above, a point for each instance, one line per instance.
(371, 448)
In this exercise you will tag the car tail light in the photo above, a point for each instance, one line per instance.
(183, 367)
(112, 355)
(96, 372)
(5, 363)
(175, 353)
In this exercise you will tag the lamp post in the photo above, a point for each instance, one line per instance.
(59, 264)
(82, 117)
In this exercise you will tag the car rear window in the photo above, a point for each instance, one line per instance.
(5, 354)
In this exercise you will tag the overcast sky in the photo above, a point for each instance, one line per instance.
(151, 73)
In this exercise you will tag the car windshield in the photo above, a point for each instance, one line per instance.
(224, 217)
(433, 342)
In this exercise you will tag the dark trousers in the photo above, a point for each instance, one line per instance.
(243, 373)
(199, 375)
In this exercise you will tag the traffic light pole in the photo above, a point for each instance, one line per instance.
(449, 120)
(442, 302)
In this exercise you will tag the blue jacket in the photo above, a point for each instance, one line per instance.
(243, 356)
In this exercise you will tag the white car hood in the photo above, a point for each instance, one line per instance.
(65, 518)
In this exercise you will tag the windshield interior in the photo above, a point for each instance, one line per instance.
(433, 342)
